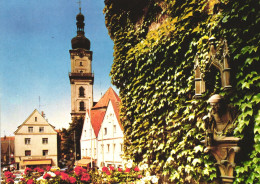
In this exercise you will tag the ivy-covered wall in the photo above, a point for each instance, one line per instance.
(155, 43)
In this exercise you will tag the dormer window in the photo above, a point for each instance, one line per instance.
(35, 119)
(81, 106)
(81, 92)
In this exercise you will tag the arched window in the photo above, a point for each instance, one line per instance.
(81, 106)
(81, 92)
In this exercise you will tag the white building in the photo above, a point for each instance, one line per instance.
(35, 142)
(102, 139)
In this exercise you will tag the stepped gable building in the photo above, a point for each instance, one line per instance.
(81, 76)
(35, 143)
(102, 134)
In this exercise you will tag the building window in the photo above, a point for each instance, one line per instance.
(27, 153)
(108, 145)
(41, 129)
(81, 92)
(44, 140)
(44, 152)
(27, 140)
(114, 128)
(30, 129)
(102, 148)
(105, 131)
(35, 119)
(81, 106)
(80, 64)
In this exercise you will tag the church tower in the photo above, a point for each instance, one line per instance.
(81, 76)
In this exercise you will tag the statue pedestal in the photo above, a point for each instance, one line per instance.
(224, 150)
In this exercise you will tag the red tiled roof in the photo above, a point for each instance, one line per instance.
(99, 110)
(11, 138)
(109, 95)
(97, 117)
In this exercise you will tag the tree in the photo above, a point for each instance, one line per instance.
(155, 44)
(71, 138)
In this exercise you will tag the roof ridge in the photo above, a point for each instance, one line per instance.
(109, 95)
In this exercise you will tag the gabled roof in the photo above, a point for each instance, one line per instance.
(43, 120)
(109, 95)
(99, 110)
(97, 117)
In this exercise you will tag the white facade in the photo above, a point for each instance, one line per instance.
(106, 146)
(88, 140)
(35, 142)
(110, 140)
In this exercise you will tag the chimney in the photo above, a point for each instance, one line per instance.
(43, 115)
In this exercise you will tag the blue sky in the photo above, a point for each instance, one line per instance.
(35, 39)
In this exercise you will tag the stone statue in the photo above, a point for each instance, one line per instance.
(219, 121)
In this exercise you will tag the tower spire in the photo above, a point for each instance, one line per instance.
(79, 2)
(80, 41)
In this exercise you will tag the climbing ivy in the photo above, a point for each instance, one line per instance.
(155, 43)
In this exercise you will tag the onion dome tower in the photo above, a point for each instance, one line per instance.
(81, 76)
(80, 41)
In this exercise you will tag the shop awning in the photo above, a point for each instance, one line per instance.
(84, 162)
(37, 162)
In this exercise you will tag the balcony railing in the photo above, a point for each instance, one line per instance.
(81, 74)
